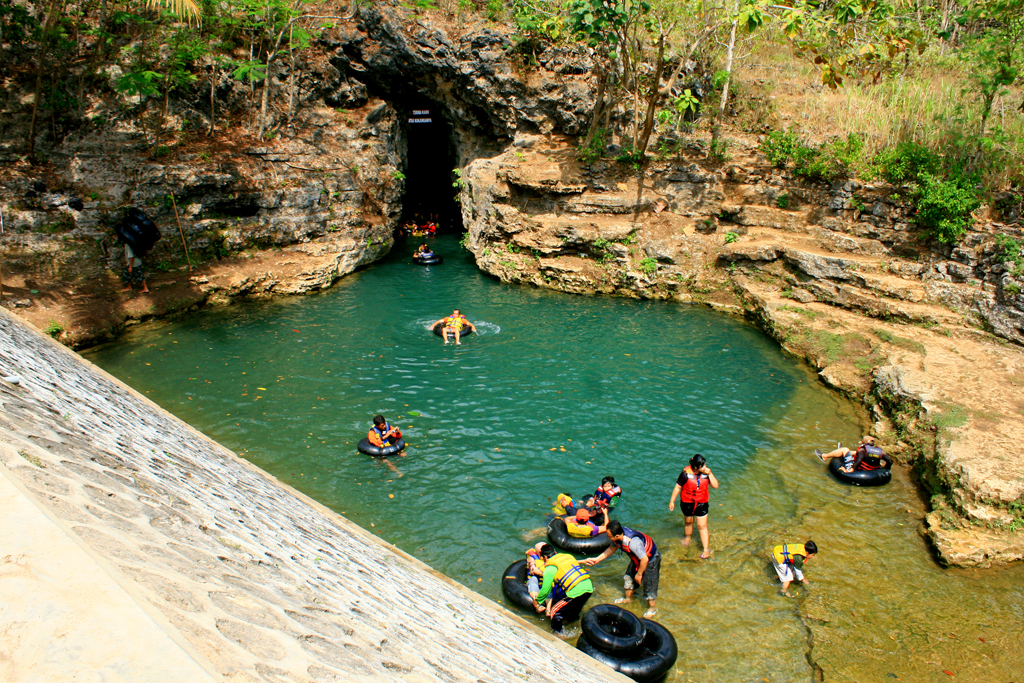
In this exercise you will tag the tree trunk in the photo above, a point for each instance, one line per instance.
(291, 76)
(728, 62)
(43, 46)
(213, 95)
(265, 97)
(652, 101)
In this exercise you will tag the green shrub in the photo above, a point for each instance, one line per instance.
(648, 266)
(731, 237)
(905, 162)
(830, 161)
(944, 207)
(1007, 249)
(783, 201)
(780, 147)
(54, 329)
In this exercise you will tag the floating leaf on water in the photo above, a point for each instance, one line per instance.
(257, 388)
(391, 495)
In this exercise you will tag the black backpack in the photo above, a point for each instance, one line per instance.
(137, 231)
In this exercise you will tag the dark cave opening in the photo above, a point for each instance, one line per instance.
(430, 160)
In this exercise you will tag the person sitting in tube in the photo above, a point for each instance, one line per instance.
(584, 525)
(565, 505)
(383, 434)
(424, 252)
(867, 456)
(454, 324)
(607, 494)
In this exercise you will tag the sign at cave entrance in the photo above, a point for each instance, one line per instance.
(420, 116)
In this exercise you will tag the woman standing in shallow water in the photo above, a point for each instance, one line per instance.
(692, 487)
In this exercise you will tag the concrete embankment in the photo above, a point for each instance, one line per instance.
(138, 549)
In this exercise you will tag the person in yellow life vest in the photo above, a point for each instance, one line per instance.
(565, 589)
(454, 324)
(584, 525)
(789, 560)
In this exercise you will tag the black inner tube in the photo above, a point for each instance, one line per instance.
(654, 659)
(559, 536)
(465, 332)
(876, 477)
(434, 260)
(513, 585)
(367, 448)
(613, 629)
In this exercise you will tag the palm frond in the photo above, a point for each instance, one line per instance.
(187, 9)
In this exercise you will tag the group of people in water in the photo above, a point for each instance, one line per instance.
(560, 585)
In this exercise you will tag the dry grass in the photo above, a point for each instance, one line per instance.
(925, 105)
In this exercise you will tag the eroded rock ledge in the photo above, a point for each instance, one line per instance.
(919, 334)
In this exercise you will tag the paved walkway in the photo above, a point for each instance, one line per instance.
(64, 618)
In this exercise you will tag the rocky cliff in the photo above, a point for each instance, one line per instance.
(835, 273)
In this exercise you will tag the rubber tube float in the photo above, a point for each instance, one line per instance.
(613, 630)
(513, 585)
(463, 333)
(654, 659)
(367, 448)
(434, 260)
(559, 536)
(876, 477)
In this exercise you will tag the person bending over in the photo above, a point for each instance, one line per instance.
(644, 563)
(566, 587)
(789, 560)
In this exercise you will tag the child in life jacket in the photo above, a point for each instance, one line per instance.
(534, 570)
(567, 505)
(584, 525)
(383, 434)
(607, 494)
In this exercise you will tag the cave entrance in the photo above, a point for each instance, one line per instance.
(430, 157)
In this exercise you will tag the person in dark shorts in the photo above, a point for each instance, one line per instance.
(866, 456)
(644, 568)
(693, 487)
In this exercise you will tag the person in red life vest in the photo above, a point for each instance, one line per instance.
(868, 456)
(607, 494)
(583, 524)
(644, 563)
(692, 487)
(789, 560)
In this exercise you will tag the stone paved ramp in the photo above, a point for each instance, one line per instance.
(258, 581)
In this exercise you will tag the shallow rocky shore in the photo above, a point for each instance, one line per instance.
(921, 335)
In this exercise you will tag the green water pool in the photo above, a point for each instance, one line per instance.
(553, 393)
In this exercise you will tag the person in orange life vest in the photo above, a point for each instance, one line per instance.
(606, 494)
(692, 488)
(867, 456)
(382, 434)
(534, 570)
(454, 324)
(644, 563)
(583, 525)
(789, 560)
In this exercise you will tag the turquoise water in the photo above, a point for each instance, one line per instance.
(555, 392)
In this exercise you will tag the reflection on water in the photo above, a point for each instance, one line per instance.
(555, 392)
